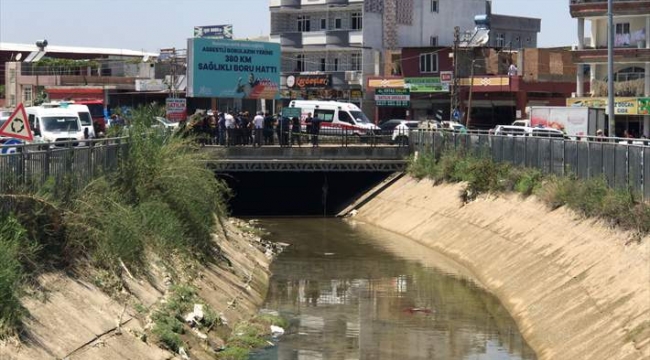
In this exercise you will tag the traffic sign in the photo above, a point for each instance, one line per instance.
(17, 125)
(7, 148)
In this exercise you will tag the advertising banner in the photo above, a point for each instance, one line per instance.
(309, 81)
(233, 69)
(176, 109)
(213, 32)
(377, 82)
(622, 105)
(644, 106)
(392, 97)
(426, 85)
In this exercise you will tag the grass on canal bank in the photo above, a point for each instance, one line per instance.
(591, 198)
(163, 200)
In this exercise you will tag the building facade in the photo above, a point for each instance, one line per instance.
(58, 72)
(631, 57)
(340, 43)
(545, 78)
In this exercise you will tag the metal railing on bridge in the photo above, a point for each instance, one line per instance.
(32, 165)
(622, 162)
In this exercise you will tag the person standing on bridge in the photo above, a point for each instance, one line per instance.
(230, 128)
(315, 130)
(258, 126)
(295, 131)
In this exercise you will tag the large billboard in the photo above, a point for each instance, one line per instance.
(233, 69)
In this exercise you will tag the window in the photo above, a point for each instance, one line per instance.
(428, 63)
(357, 21)
(322, 64)
(323, 24)
(631, 73)
(500, 39)
(622, 37)
(336, 64)
(338, 23)
(433, 41)
(304, 23)
(300, 62)
(345, 117)
(27, 94)
(324, 115)
(355, 62)
(528, 40)
(434, 6)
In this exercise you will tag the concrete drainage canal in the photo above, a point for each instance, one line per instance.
(352, 291)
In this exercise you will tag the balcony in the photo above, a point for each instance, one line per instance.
(621, 55)
(337, 2)
(314, 38)
(337, 38)
(291, 40)
(356, 37)
(598, 8)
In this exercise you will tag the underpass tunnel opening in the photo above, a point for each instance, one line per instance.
(297, 193)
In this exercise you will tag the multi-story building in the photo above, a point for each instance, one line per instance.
(329, 47)
(631, 57)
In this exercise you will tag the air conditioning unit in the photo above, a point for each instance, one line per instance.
(351, 76)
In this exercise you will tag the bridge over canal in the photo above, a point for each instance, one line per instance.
(326, 158)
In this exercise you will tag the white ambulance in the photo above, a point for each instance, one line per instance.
(336, 117)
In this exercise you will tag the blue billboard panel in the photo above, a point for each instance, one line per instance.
(233, 69)
(213, 32)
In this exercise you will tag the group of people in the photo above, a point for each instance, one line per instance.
(232, 128)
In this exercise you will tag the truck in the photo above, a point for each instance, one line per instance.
(573, 121)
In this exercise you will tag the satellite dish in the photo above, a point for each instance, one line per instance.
(19, 56)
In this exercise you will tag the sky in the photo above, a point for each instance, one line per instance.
(150, 25)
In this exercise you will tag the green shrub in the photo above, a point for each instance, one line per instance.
(527, 181)
(15, 250)
(234, 353)
(591, 198)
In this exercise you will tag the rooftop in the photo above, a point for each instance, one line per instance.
(74, 50)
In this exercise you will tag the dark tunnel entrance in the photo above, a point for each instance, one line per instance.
(297, 193)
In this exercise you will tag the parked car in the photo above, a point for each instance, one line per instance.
(165, 123)
(525, 123)
(400, 134)
(453, 126)
(511, 130)
(546, 132)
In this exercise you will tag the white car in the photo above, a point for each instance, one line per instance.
(401, 131)
(511, 130)
(164, 123)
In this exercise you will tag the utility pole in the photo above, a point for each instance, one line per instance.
(469, 102)
(454, 86)
(610, 68)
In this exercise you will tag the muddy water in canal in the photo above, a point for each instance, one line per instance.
(352, 291)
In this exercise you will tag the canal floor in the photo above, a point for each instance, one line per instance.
(352, 291)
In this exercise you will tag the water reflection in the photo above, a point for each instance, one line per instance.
(348, 297)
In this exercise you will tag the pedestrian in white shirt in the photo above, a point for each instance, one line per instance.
(258, 125)
(230, 128)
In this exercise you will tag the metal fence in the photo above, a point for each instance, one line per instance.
(31, 166)
(622, 165)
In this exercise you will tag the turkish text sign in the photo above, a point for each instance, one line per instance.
(176, 109)
(233, 69)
